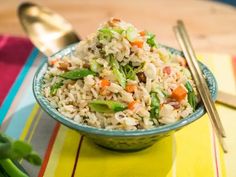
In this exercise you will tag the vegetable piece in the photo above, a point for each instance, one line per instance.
(55, 87)
(105, 83)
(10, 169)
(64, 66)
(77, 74)
(120, 76)
(95, 66)
(137, 69)
(107, 106)
(130, 88)
(15, 150)
(151, 40)
(86, 65)
(33, 158)
(53, 61)
(150, 71)
(118, 30)
(192, 100)
(139, 44)
(105, 33)
(155, 105)
(142, 33)
(129, 72)
(103, 91)
(167, 70)
(131, 34)
(179, 93)
(132, 104)
(141, 77)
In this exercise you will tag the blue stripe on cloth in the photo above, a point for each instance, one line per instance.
(18, 82)
(22, 112)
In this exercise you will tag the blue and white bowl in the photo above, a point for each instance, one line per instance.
(120, 139)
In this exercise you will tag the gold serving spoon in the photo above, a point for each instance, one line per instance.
(48, 31)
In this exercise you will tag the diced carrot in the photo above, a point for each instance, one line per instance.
(139, 44)
(130, 88)
(104, 92)
(105, 82)
(53, 62)
(142, 33)
(179, 93)
(132, 104)
(167, 70)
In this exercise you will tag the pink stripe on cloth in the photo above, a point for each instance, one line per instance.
(14, 52)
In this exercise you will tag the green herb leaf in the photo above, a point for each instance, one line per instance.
(105, 33)
(117, 71)
(95, 66)
(118, 30)
(77, 74)
(8, 168)
(151, 40)
(15, 150)
(20, 149)
(55, 87)
(155, 105)
(107, 106)
(129, 72)
(33, 158)
(192, 100)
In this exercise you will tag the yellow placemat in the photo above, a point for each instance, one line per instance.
(191, 152)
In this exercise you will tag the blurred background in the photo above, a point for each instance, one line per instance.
(211, 24)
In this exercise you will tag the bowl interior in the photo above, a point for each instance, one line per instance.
(45, 105)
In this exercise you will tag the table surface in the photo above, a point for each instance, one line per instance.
(212, 25)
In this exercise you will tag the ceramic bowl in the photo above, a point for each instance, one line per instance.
(117, 139)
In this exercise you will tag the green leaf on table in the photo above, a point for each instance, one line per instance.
(20, 149)
(33, 158)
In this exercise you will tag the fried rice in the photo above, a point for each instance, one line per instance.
(120, 78)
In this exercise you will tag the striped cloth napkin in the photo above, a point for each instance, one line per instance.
(191, 152)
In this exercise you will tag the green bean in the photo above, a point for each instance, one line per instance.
(77, 74)
(55, 87)
(192, 100)
(155, 105)
(107, 106)
(16, 149)
(117, 71)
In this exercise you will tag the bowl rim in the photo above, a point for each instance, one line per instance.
(52, 112)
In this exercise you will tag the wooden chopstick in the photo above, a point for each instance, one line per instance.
(203, 90)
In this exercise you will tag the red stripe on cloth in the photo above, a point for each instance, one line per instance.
(77, 156)
(14, 52)
(49, 150)
(215, 154)
(234, 65)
